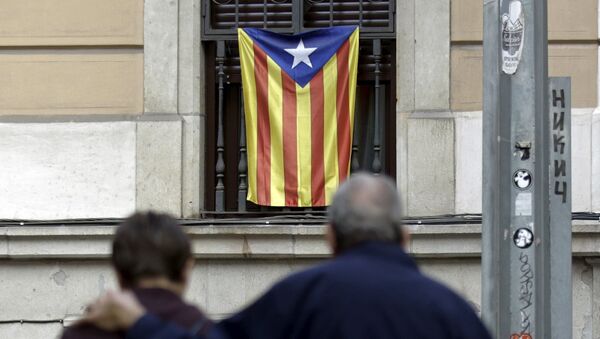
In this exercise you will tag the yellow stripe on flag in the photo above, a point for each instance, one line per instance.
(275, 98)
(330, 129)
(353, 65)
(250, 109)
(304, 145)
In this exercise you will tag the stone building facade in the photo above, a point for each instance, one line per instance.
(103, 111)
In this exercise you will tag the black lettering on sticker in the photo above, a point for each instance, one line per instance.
(559, 121)
(560, 168)
(559, 142)
(556, 99)
(558, 191)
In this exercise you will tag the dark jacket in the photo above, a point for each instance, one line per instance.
(372, 291)
(165, 304)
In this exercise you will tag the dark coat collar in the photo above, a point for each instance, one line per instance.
(384, 251)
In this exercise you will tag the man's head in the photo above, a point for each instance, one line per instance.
(365, 208)
(151, 247)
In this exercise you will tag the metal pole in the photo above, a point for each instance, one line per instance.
(561, 304)
(517, 293)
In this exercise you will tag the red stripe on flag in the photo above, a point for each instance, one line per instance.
(263, 168)
(317, 135)
(343, 111)
(290, 140)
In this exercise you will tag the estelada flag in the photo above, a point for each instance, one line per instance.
(299, 93)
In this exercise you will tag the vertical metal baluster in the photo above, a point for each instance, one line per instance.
(330, 13)
(376, 135)
(265, 14)
(355, 164)
(237, 14)
(360, 13)
(243, 164)
(220, 167)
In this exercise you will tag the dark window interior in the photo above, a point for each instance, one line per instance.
(221, 17)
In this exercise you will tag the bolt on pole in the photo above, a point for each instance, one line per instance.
(526, 229)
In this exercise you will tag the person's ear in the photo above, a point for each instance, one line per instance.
(405, 238)
(331, 240)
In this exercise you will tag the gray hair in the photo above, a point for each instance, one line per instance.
(366, 208)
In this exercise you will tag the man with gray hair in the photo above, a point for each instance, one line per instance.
(371, 289)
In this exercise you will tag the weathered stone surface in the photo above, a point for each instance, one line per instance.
(580, 62)
(56, 288)
(595, 264)
(432, 55)
(160, 56)
(468, 160)
(466, 78)
(192, 165)
(189, 62)
(566, 20)
(583, 298)
(581, 160)
(71, 22)
(596, 161)
(71, 82)
(405, 49)
(402, 157)
(463, 278)
(222, 284)
(430, 166)
(29, 331)
(67, 170)
(158, 171)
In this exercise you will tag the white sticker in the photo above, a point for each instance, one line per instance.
(522, 179)
(513, 26)
(523, 204)
(523, 238)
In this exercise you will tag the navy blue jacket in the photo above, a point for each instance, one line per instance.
(372, 291)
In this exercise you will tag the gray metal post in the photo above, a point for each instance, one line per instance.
(518, 296)
(561, 307)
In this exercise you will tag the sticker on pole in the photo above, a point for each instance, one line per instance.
(513, 25)
(521, 336)
(523, 238)
(523, 204)
(522, 179)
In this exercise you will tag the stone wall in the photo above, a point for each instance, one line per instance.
(101, 108)
(102, 113)
(439, 70)
(106, 115)
(50, 273)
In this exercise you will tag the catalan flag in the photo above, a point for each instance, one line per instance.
(299, 93)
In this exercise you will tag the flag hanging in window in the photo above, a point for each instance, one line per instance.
(299, 93)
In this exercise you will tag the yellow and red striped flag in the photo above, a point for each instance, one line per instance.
(299, 93)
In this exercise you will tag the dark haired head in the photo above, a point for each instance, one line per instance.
(150, 245)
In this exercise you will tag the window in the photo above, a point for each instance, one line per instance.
(376, 18)
(374, 135)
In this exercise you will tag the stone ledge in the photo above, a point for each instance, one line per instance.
(259, 242)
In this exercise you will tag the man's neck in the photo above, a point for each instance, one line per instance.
(161, 282)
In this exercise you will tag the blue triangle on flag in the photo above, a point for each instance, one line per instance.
(325, 43)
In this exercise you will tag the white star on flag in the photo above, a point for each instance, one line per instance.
(301, 54)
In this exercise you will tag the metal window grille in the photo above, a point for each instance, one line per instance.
(374, 135)
(376, 18)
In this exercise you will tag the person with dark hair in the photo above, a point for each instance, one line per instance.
(371, 289)
(151, 256)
